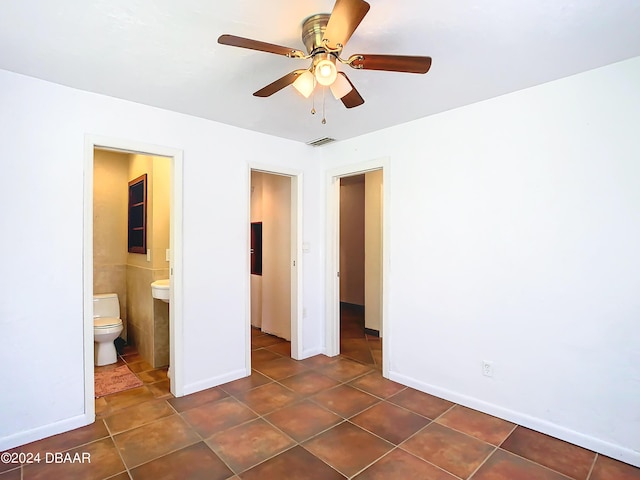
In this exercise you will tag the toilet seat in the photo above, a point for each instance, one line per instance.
(106, 322)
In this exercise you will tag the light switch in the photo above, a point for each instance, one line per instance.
(167, 255)
(306, 248)
(148, 254)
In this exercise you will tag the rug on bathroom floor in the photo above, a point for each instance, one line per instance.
(113, 381)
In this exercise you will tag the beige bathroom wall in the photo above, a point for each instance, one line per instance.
(140, 310)
(110, 176)
(140, 165)
(160, 237)
(160, 208)
(149, 318)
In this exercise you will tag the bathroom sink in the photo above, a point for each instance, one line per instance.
(160, 290)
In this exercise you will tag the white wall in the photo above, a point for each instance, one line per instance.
(271, 291)
(515, 233)
(256, 280)
(42, 134)
(373, 251)
(528, 232)
(276, 255)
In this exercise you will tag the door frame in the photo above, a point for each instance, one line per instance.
(296, 177)
(332, 301)
(176, 341)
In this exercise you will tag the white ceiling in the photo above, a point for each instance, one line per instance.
(165, 53)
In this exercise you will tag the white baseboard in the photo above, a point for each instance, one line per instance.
(603, 447)
(312, 353)
(39, 433)
(215, 381)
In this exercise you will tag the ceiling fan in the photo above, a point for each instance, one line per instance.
(324, 37)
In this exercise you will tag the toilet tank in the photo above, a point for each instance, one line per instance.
(106, 305)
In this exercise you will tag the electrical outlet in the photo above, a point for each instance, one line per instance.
(487, 368)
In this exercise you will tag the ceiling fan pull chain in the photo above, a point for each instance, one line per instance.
(313, 99)
(324, 119)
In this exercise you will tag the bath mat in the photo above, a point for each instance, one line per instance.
(113, 381)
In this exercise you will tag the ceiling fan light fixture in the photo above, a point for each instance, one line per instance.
(305, 83)
(340, 87)
(325, 69)
(324, 36)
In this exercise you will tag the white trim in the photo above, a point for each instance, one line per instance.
(22, 438)
(176, 339)
(296, 176)
(618, 452)
(332, 325)
(87, 277)
(296, 270)
(215, 381)
(332, 287)
(312, 352)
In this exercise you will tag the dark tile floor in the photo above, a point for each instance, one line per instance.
(354, 343)
(320, 418)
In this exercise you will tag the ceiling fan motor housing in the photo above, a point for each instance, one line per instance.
(313, 31)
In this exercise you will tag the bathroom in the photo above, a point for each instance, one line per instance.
(125, 265)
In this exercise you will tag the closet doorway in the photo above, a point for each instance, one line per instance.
(358, 259)
(273, 255)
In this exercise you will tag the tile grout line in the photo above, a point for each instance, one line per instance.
(308, 398)
(165, 454)
(112, 435)
(397, 447)
(348, 419)
(536, 463)
(593, 465)
(312, 400)
(470, 435)
(516, 426)
(495, 448)
(115, 445)
(372, 463)
(259, 417)
(303, 397)
(263, 416)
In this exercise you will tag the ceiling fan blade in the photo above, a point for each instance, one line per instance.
(391, 63)
(242, 42)
(344, 19)
(353, 98)
(279, 84)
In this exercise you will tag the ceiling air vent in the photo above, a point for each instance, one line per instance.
(321, 141)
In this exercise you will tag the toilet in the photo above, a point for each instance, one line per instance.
(107, 325)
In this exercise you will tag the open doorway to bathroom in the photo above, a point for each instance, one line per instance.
(128, 246)
(273, 262)
(131, 238)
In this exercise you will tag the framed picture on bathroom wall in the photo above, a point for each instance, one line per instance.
(256, 248)
(137, 223)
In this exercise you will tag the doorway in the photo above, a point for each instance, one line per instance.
(170, 253)
(357, 201)
(360, 260)
(274, 256)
